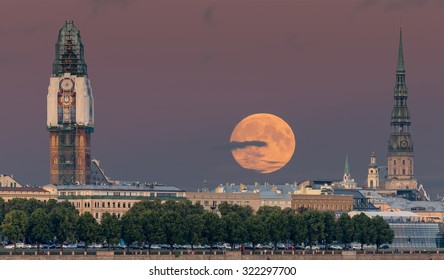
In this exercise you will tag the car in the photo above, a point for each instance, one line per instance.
(314, 247)
(19, 245)
(335, 247)
(9, 246)
(384, 246)
(299, 247)
(71, 246)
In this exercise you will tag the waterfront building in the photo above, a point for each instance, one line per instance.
(211, 200)
(114, 199)
(410, 230)
(335, 203)
(70, 111)
(270, 195)
(42, 193)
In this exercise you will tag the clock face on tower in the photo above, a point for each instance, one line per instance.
(66, 84)
(404, 143)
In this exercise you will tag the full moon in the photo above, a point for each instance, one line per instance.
(262, 142)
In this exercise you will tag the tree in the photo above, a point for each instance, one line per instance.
(297, 228)
(257, 230)
(243, 211)
(88, 230)
(344, 229)
(63, 223)
(16, 204)
(277, 227)
(383, 232)
(173, 228)
(214, 230)
(39, 227)
(110, 228)
(234, 227)
(151, 226)
(364, 230)
(329, 228)
(131, 228)
(315, 226)
(2, 209)
(194, 229)
(14, 225)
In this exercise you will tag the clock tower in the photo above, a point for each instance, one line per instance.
(373, 173)
(400, 145)
(70, 115)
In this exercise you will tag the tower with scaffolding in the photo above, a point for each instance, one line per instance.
(70, 111)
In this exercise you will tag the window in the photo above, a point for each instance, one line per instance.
(109, 204)
(118, 204)
(103, 204)
(97, 215)
(114, 205)
(124, 205)
(403, 172)
(129, 204)
(206, 203)
(403, 162)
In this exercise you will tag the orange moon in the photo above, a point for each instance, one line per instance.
(262, 142)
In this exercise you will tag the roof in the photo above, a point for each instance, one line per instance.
(399, 214)
(22, 189)
(355, 193)
(158, 188)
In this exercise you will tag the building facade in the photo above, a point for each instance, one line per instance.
(114, 199)
(43, 194)
(70, 111)
(335, 203)
(400, 145)
(211, 200)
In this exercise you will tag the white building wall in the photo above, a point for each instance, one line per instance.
(51, 101)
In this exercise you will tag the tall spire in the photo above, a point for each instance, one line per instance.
(400, 66)
(69, 52)
(346, 168)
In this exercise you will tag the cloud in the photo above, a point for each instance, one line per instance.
(241, 145)
(99, 6)
(208, 15)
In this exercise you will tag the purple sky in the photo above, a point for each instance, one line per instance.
(171, 79)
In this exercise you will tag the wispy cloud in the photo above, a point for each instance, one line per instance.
(241, 145)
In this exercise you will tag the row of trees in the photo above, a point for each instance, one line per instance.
(151, 222)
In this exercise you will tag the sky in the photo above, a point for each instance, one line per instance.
(172, 78)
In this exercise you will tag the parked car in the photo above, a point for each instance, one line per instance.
(71, 246)
(19, 245)
(299, 247)
(335, 247)
(9, 246)
(384, 246)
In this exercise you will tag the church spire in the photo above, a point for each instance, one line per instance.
(346, 168)
(400, 66)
